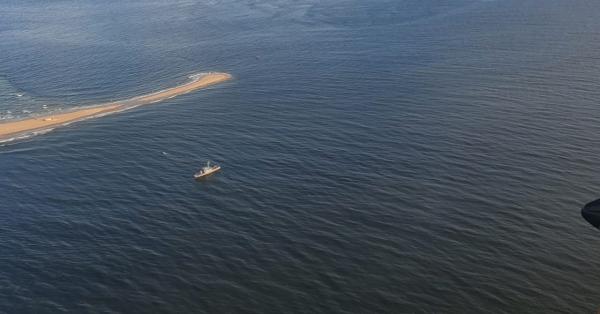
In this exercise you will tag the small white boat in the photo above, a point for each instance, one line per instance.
(207, 170)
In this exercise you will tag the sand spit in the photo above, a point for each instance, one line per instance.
(22, 128)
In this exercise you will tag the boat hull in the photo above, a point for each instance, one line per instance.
(207, 173)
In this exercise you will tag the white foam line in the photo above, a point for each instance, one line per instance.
(123, 104)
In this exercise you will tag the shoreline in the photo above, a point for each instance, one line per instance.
(30, 126)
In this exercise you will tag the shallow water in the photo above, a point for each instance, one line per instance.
(387, 156)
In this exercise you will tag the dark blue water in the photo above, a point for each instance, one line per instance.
(378, 156)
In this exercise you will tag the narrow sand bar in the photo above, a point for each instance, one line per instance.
(16, 129)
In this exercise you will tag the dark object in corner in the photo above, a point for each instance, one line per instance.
(591, 213)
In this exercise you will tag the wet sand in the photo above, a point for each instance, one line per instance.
(20, 128)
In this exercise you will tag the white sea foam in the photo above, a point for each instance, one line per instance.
(114, 107)
(197, 76)
(23, 136)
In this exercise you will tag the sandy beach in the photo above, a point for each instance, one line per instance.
(15, 129)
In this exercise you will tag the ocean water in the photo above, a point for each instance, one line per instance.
(395, 156)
